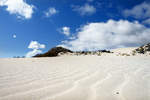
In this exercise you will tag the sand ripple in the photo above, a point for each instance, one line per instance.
(75, 78)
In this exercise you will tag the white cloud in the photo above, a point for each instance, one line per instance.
(18, 7)
(85, 9)
(65, 30)
(50, 12)
(147, 21)
(33, 53)
(112, 34)
(35, 46)
(14, 36)
(139, 11)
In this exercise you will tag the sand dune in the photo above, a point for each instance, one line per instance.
(75, 78)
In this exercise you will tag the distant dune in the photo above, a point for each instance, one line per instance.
(132, 51)
(71, 77)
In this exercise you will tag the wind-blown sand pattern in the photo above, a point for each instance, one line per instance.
(75, 78)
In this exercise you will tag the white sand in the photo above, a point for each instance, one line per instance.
(124, 50)
(75, 78)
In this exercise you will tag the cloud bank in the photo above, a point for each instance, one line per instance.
(35, 46)
(18, 7)
(111, 34)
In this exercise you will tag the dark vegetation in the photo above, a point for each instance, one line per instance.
(143, 49)
(93, 52)
(56, 50)
(106, 51)
(18, 56)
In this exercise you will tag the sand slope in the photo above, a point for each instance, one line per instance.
(75, 78)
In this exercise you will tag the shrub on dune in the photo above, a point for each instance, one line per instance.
(54, 52)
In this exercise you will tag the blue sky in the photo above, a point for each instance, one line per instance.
(28, 27)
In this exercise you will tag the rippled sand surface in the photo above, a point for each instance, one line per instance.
(75, 78)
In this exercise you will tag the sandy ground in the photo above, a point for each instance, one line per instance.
(75, 78)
